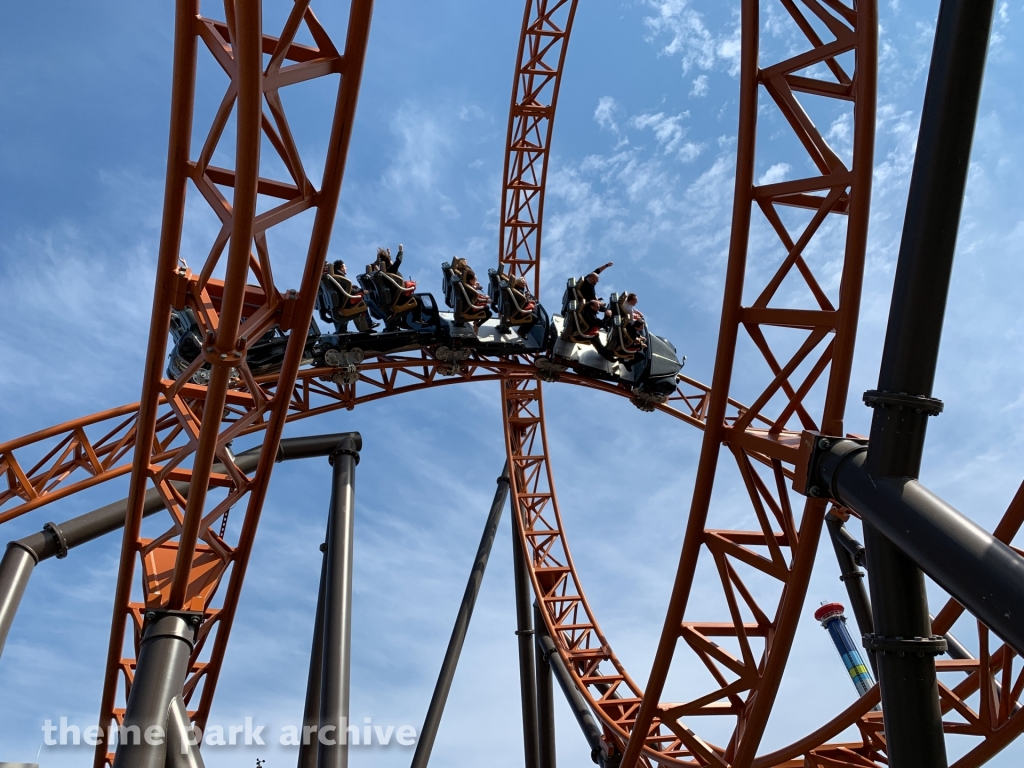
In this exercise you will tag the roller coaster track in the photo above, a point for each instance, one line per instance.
(179, 429)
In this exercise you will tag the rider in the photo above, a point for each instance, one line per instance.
(384, 260)
(384, 263)
(336, 292)
(594, 311)
(634, 318)
(629, 308)
(588, 284)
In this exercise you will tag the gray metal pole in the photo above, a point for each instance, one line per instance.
(182, 741)
(906, 672)
(580, 709)
(15, 571)
(311, 712)
(527, 669)
(334, 683)
(167, 642)
(545, 695)
(451, 657)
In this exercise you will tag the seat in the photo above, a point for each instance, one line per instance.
(467, 303)
(577, 328)
(623, 338)
(388, 295)
(338, 301)
(514, 307)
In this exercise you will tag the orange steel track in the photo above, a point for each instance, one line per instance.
(179, 430)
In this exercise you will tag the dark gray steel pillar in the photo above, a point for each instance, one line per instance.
(15, 571)
(527, 669)
(451, 657)
(545, 696)
(311, 712)
(167, 642)
(982, 573)
(580, 709)
(334, 682)
(182, 741)
(903, 402)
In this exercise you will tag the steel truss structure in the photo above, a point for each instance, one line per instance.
(180, 430)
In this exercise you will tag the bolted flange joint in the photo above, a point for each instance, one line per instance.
(818, 459)
(216, 356)
(902, 646)
(875, 398)
(58, 535)
(161, 622)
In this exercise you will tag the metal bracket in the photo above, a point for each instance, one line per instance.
(58, 534)
(901, 646)
(807, 478)
(153, 626)
(346, 451)
(875, 398)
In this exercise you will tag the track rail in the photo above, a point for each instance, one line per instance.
(86, 452)
(543, 44)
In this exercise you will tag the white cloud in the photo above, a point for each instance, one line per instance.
(690, 151)
(700, 86)
(605, 111)
(690, 38)
(424, 144)
(668, 130)
(775, 174)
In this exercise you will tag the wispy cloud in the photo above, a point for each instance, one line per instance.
(689, 37)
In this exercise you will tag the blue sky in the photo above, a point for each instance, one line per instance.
(641, 174)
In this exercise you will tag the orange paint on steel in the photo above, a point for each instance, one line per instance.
(421, 373)
(227, 348)
(687, 404)
(183, 567)
(846, 192)
(334, 171)
(182, 103)
(543, 42)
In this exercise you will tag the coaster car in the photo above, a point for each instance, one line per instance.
(263, 356)
(654, 373)
(469, 304)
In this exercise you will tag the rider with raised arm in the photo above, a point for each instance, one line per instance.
(588, 283)
(384, 262)
(594, 311)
